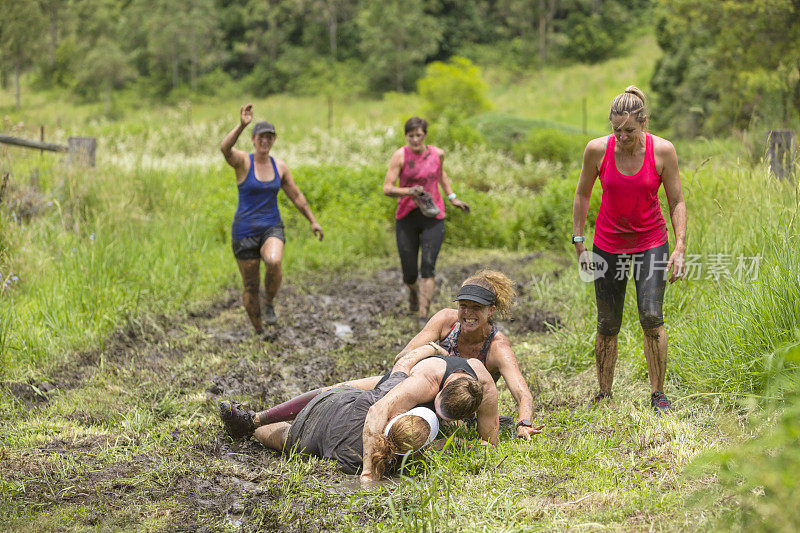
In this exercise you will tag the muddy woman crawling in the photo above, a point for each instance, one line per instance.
(366, 424)
(469, 332)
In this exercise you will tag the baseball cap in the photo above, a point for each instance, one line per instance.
(263, 127)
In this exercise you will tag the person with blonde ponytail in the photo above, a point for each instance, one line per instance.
(630, 237)
(469, 332)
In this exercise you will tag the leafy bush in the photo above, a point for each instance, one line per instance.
(551, 144)
(453, 90)
(448, 135)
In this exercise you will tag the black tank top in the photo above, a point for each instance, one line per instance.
(454, 364)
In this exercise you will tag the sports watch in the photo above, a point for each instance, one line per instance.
(577, 238)
(524, 422)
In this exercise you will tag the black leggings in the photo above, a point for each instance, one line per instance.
(650, 275)
(413, 231)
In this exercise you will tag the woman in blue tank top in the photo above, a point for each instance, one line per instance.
(257, 229)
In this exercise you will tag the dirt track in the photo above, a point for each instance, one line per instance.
(330, 330)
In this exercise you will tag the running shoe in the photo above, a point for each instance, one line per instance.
(426, 204)
(270, 318)
(238, 422)
(600, 397)
(659, 402)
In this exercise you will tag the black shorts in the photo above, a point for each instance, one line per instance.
(250, 247)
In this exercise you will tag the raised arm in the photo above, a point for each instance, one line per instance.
(296, 196)
(390, 187)
(444, 182)
(677, 206)
(236, 158)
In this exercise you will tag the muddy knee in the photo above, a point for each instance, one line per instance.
(609, 326)
(273, 264)
(650, 319)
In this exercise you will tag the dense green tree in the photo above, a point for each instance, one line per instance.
(397, 37)
(727, 64)
(22, 24)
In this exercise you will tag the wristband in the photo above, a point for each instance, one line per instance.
(577, 238)
(451, 196)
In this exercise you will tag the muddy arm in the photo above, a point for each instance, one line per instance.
(488, 412)
(406, 362)
(407, 394)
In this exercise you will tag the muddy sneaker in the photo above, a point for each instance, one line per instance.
(270, 318)
(660, 403)
(238, 422)
(600, 397)
(426, 204)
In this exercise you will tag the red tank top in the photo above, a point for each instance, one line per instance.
(630, 217)
(420, 169)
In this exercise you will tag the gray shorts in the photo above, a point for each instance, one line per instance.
(250, 247)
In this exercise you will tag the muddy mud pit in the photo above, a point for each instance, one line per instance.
(329, 330)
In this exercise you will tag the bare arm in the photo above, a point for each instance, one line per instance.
(296, 196)
(502, 356)
(416, 389)
(444, 182)
(406, 362)
(488, 412)
(431, 332)
(592, 156)
(390, 187)
(236, 158)
(677, 207)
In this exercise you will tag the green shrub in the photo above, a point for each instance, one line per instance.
(551, 144)
(449, 134)
(453, 90)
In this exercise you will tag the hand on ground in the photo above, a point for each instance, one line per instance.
(526, 432)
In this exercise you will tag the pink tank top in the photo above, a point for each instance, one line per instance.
(630, 217)
(420, 169)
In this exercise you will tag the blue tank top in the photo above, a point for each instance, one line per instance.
(258, 204)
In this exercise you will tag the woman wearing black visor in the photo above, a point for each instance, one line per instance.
(469, 331)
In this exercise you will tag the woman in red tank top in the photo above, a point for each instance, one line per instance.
(630, 236)
(414, 177)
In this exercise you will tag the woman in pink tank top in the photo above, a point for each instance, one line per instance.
(630, 238)
(419, 219)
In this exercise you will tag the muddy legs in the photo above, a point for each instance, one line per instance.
(655, 352)
(426, 287)
(605, 350)
(249, 268)
(413, 297)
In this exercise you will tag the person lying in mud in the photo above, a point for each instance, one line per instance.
(348, 422)
(469, 332)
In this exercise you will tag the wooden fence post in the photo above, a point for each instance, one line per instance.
(82, 150)
(780, 151)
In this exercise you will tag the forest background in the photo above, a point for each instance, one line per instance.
(91, 261)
